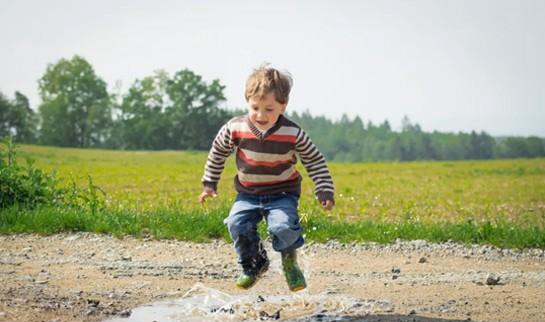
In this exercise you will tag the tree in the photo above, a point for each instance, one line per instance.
(481, 146)
(25, 120)
(194, 114)
(520, 147)
(5, 111)
(142, 123)
(536, 146)
(17, 119)
(181, 112)
(75, 109)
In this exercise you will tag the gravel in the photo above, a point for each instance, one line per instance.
(31, 272)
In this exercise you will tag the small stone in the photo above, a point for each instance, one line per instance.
(72, 238)
(90, 311)
(492, 279)
(25, 250)
(396, 270)
(423, 260)
(266, 316)
(92, 303)
(413, 312)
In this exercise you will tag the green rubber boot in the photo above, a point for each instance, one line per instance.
(253, 270)
(245, 281)
(292, 272)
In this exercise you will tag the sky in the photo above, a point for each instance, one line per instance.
(449, 65)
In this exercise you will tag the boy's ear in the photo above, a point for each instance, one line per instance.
(283, 109)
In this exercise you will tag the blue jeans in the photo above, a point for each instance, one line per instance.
(280, 214)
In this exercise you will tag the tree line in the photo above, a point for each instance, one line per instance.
(351, 140)
(184, 112)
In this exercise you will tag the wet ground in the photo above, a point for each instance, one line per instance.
(88, 277)
(202, 303)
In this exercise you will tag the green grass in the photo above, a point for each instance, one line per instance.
(159, 223)
(500, 202)
(208, 224)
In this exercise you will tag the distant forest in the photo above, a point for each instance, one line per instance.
(182, 112)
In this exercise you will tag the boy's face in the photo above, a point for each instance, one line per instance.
(264, 112)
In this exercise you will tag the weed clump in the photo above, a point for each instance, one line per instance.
(27, 187)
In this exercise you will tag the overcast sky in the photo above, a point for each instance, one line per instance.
(457, 65)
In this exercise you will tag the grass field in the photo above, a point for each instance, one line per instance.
(500, 202)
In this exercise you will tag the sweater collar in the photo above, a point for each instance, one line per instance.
(261, 135)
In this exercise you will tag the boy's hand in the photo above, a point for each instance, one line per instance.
(206, 193)
(327, 204)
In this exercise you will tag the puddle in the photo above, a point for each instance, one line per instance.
(202, 303)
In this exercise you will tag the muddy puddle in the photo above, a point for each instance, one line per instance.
(202, 303)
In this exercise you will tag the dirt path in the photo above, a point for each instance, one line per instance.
(88, 277)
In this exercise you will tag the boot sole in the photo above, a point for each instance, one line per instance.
(245, 288)
(298, 288)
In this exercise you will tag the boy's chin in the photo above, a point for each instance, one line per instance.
(263, 127)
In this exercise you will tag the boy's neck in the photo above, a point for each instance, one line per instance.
(262, 133)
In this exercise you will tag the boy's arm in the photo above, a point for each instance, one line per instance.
(222, 147)
(316, 167)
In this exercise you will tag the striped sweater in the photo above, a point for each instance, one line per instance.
(266, 162)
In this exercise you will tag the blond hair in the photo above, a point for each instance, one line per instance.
(265, 79)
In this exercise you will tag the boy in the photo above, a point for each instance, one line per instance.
(266, 143)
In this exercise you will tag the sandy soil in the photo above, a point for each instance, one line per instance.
(88, 277)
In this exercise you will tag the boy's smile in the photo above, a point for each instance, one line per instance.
(264, 112)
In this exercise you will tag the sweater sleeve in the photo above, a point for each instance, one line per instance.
(222, 147)
(315, 164)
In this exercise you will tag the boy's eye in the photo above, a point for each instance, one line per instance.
(269, 110)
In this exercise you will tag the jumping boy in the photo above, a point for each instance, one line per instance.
(266, 143)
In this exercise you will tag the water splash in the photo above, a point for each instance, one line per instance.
(203, 303)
